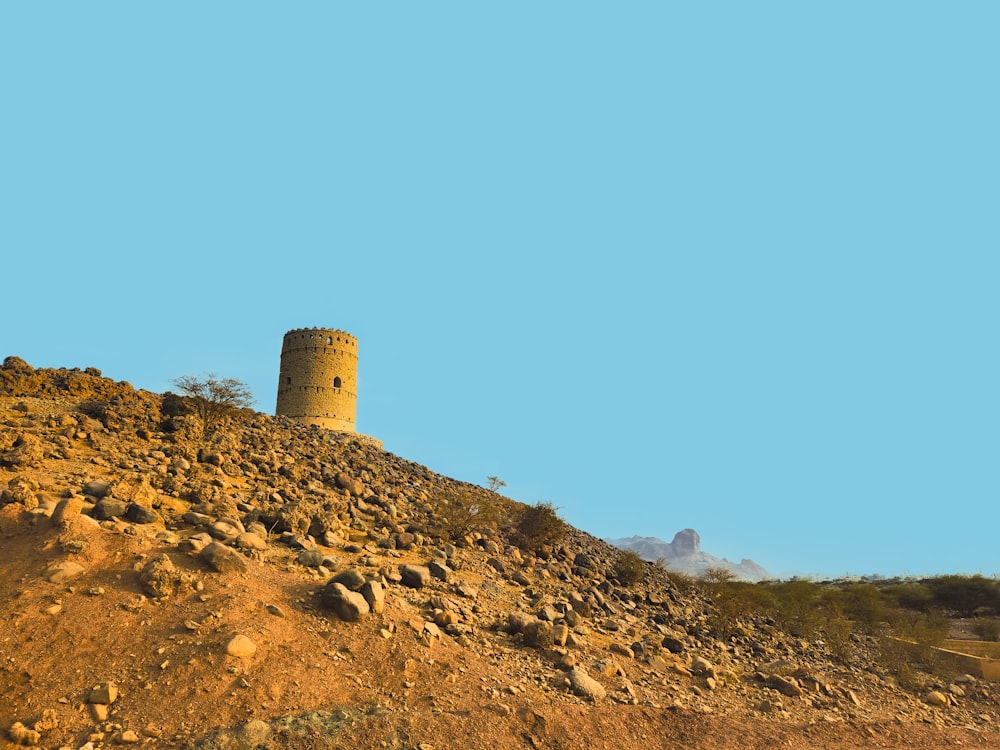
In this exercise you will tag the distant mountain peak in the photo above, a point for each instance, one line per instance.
(684, 555)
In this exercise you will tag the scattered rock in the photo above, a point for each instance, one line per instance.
(141, 514)
(349, 606)
(936, 698)
(21, 735)
(585, 686)
(103, 694)
(415, 576)
(241, 646)
(224, 559)
(67, 510)
(63, 572)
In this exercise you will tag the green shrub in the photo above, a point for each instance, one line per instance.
(797, 605)
(863, 603)
(909, 596)
(838, 630)
(734, 600)
(986, 628)
(629, 568)
(683, 582)
(966, 595)
(538, 526)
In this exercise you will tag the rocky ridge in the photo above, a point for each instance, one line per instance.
(281, 586)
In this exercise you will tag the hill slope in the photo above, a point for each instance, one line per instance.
(279, 586)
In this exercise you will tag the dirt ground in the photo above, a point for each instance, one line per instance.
(374, 684)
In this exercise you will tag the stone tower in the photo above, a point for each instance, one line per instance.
(318, 382)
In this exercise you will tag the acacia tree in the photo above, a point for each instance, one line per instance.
(214, 398)
(494, 484)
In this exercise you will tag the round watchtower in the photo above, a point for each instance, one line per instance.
(318, 382)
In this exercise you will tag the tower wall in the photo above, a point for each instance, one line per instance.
(318, 382)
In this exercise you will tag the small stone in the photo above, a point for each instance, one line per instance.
(936, 698)
(415, 576)
(105, 694)
(241, 646)
(584, 685)
(21, 735)
(62, 572)
(99, 711)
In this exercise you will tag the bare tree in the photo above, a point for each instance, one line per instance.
(214, 398)
(495, 483)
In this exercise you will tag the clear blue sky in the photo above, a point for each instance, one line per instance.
(730, 266)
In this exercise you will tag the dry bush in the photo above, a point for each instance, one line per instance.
(538, 526)
(629, 568)
(735, 600)
(683, 582)
(458, 513)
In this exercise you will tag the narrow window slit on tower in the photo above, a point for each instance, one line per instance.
(336, 382)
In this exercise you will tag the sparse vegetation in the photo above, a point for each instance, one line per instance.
(459, 513)
(986, 628)
(539, 525)
(214, 398)
(495, 484)
(629, 568)
(966, 596)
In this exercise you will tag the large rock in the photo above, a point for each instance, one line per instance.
(415, 576)
(97, 489)
(160, 578)
(439, 570)
(351, 578)
(140, 514)
(224, 559)
(67, 510)
(348, 605)
(374, 595)
(584, 685)
(105, 510)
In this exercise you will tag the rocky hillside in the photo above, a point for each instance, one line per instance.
(684, 555)
(266, 585)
